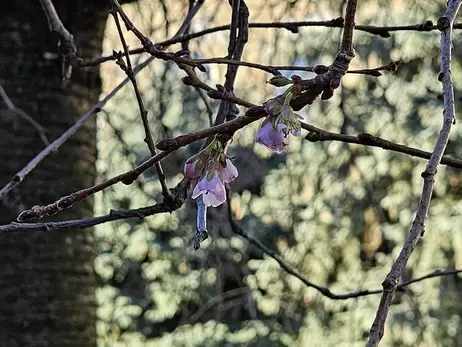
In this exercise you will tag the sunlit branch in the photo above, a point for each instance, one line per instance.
(418, 225)
(127, 68)
(316, 134)
(383, 31)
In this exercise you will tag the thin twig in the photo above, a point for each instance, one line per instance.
(193, 9)
(127, 68)
(167, 146)
(148, 45)
(316, 134)
(275, 69)
(66, 46)
(383, 31)
(391, 280)
(11, 107)
(238, 37)
(292, 271)
(52, 147)
(20, 175)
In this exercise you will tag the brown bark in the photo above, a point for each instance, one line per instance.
(47, 283)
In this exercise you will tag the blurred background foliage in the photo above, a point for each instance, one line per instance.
(336, 212)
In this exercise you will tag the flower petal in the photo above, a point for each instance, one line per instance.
(190, 170)
(272, 139)
(229, 172)
(213, 191)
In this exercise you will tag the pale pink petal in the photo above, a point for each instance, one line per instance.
(190, 170)
(197, 191)
(229, 172)
(272, 139)
(212, 191)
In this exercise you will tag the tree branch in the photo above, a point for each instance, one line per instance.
(52, 147)
(66, 45)
(391, 280)
(323, 290)
(11, 107)
(127, 68)
(238, 37)
(383, 31)
(316, 134)
(167, 146)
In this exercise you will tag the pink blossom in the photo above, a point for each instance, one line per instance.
(228, 173)
(190, 170)
(274, 140)
(195, 165)
(212, 190)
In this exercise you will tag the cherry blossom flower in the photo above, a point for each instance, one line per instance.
(212, 190)
(194, 166)
(228, 173)
(190, 170)
(274, 140)
(281, 122)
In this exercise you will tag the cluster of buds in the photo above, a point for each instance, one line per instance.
(212, 168)
(280, 122)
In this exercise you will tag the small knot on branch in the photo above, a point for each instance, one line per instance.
(320, 69)
(443, 23)
(428, 173)
(129, 179)
(166, 144)
(291, 27)
(27, 215)
(338, 22)
(427, 26)
(389, 283)
(342, 62)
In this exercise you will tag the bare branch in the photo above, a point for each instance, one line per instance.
(274, 69)
(383, 31)
(238, 37)
(66, 46)
(168, 146)
(417, 230)
(347, 40)
(127, 68)
(323, 290)
(52, 147)
(9, 104)
(148, 45)
(316, 134)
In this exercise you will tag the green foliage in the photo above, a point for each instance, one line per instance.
(338, 213)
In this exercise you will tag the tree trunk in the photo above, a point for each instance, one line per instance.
(47, 283)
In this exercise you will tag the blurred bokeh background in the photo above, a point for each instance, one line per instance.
(338, 213)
